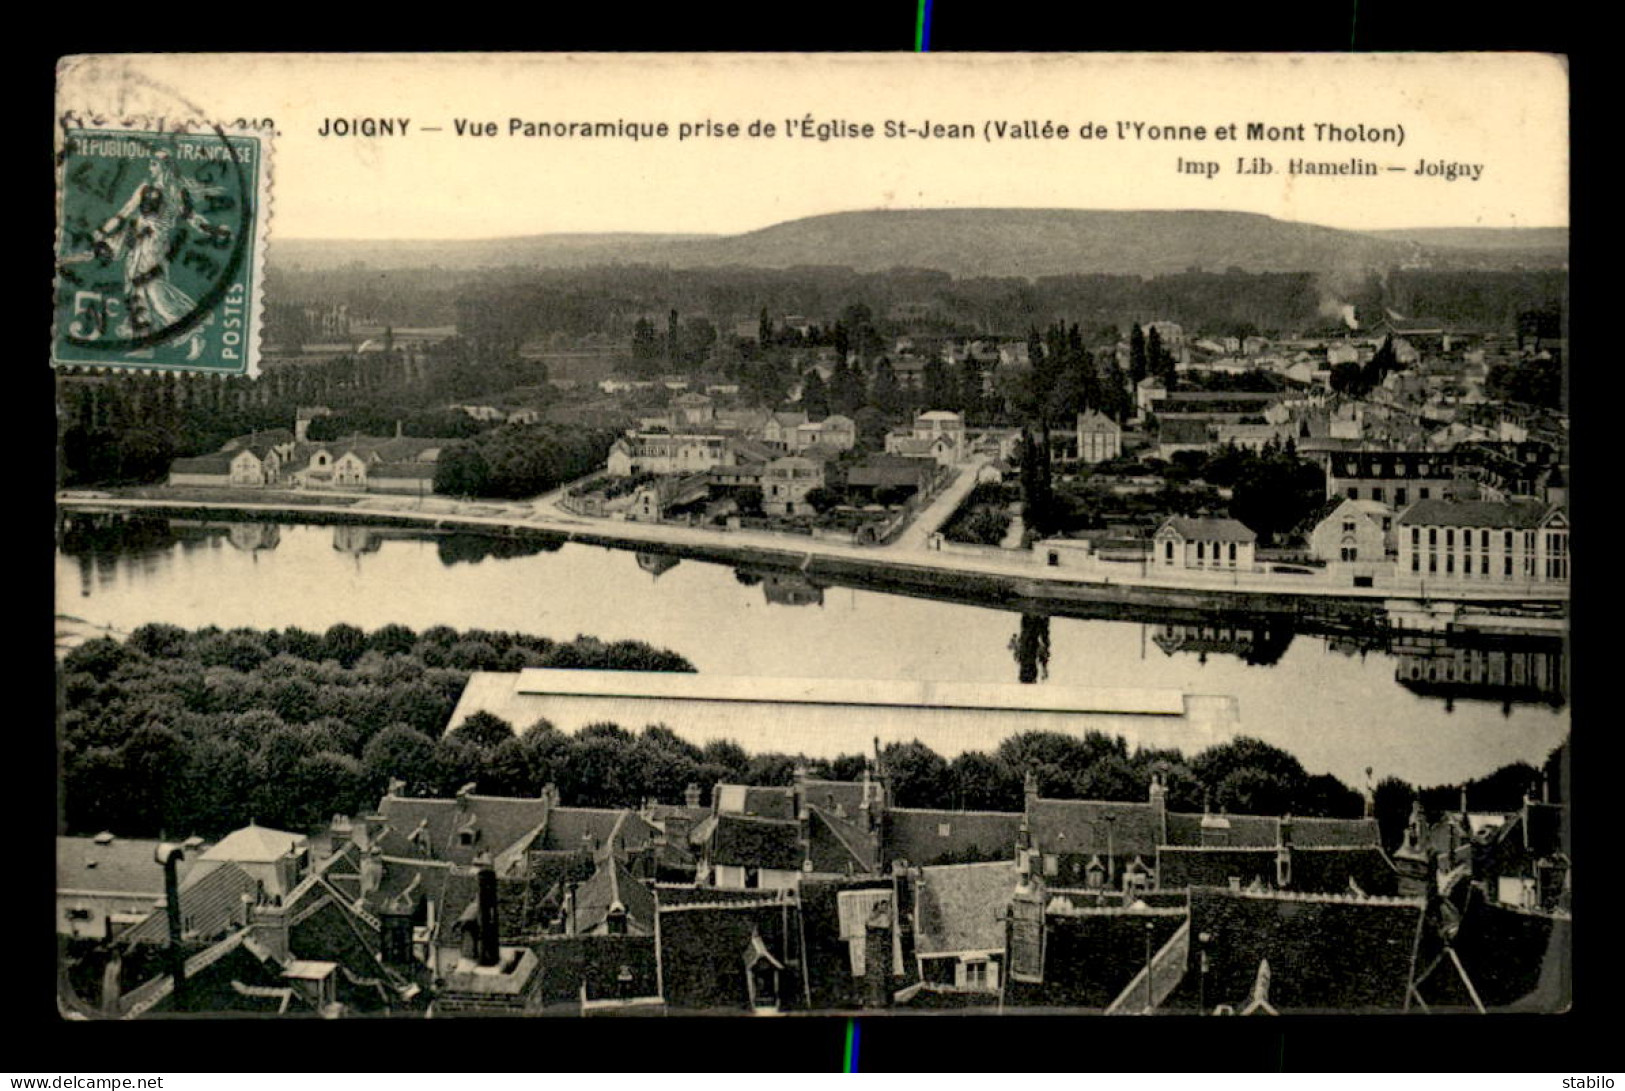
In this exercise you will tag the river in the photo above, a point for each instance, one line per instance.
(1427, 709)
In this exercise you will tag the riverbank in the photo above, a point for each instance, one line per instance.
(1019, 577)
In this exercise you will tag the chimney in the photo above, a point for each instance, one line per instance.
(271, 929)
(1464, 801)
(1283, 853)
(550, 794)
(399, 432)
(1158, 797)
(1030, 789)
(487, 951)
(1370, 795)
(462, 795)
(691, 796)
(372, 871)
(168, 855)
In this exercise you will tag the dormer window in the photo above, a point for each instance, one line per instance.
(944, 829)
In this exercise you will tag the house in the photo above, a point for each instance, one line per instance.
(1100, 439)
(1505, 541)
(959, 913)
(780, 429)
(1147, 392)
(721, 953)
(1290, 953)
(492, 978)
(692, 410)
(1352, 531)
(834, 434)
(210, 470)
(942, 424)
(275, 859)
(668, 453)
(1184, 542)
(1177, 434)
(313, 950)
(941, 449)
(787, 481)
(1395, 478)
(105, 884)
(922, 838)
(403, 477)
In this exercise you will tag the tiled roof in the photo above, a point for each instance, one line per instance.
(1081, 826)
(884, 470)
(211, 905)
(839, 846)
(918, 837)
(1264, 831)
(568, 829)
(1327, 952)
(767, 802)
(121, 866)
(1095, 421)
(842, 798)
(741, 841)
(1494, 514)
(610, 886)
(1208, 530)
(255, 844)
(1182, 431)
(203, 464)
(423, 470)
(960, 906)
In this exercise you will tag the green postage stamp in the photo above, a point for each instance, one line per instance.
(159, 260)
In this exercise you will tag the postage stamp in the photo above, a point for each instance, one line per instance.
(159, 261)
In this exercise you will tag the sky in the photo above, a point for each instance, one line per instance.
(1505, 113)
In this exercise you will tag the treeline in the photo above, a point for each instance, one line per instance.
(518, 461)
(424, 423)
(177, 732)
(513, 306)
(126, 428)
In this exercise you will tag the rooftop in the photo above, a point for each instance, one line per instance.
(960, 906)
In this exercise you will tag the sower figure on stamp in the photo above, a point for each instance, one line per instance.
(146, 235)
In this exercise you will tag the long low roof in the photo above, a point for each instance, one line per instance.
(834, 716)
(892, 693)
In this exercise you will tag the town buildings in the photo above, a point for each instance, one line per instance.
(1482, 541)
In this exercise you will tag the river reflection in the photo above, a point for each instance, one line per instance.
(1430, 706)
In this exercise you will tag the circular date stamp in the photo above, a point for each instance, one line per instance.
(160, 230)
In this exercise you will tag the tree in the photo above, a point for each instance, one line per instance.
(398, 752)
(485, 730)
(1392, 800)
(1038, 509)
(918, 774)
(462, 470)
(846, 393)
(814, 396)
(822, 499)
(979, 782)
(884, 393)
(1348, 379)
(1138, 361)
(345, 643)
(938, 386)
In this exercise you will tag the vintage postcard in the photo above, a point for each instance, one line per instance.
(801, 534)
